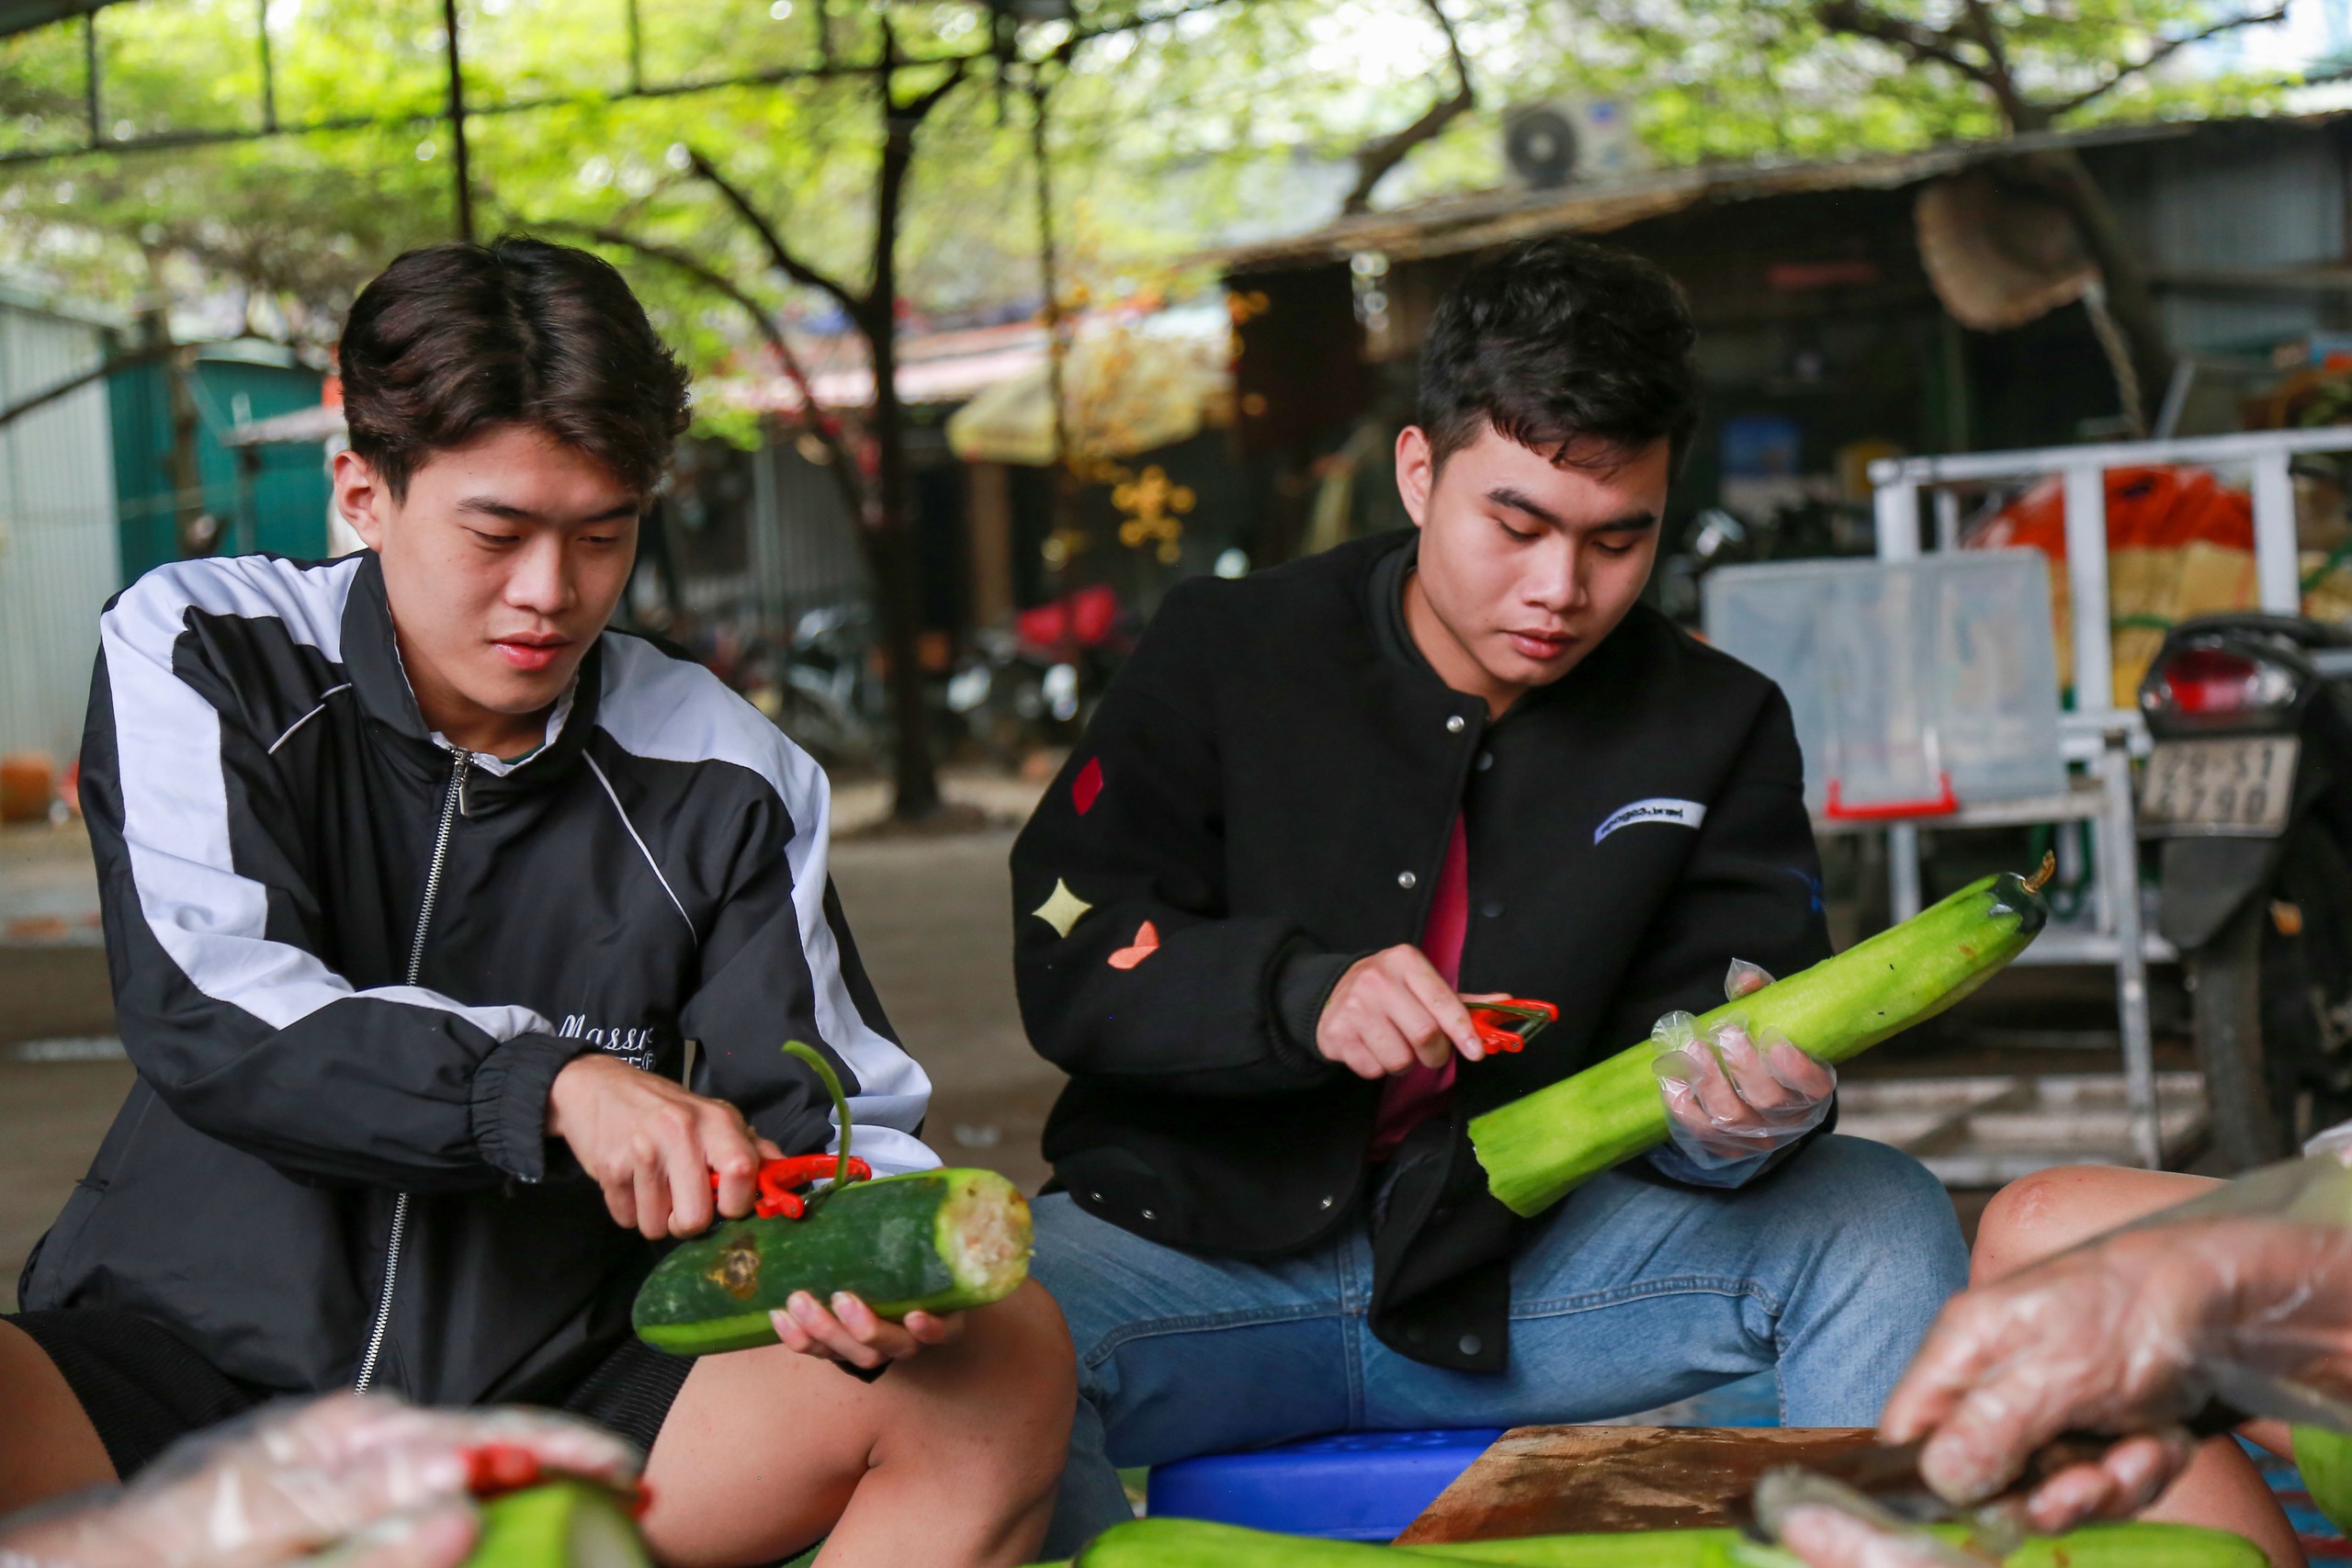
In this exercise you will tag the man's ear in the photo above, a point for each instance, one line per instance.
(361, 498)
(1416, 472)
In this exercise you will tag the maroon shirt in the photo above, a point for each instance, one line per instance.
(1418, 1093)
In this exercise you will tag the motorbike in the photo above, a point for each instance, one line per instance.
(2248, 790)
(1037, 684)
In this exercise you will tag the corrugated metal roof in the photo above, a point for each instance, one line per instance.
(23, 15)
(1450, 225)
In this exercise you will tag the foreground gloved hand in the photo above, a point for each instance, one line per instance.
(375, 1483)
(2130, 1333)
(1732, 1102)
(1823, 1536)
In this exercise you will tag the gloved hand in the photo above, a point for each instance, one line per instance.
(2129, 1334)
(376, 1482)
(1822, 1537)
(1730, 1101)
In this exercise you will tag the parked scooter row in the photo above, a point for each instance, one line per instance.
(1015, 690)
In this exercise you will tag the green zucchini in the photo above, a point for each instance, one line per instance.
(930, 1241)
(2128, 1545)
(562, 1524)
(2326, 1460)
(1539, 1149)
(1196, 1543)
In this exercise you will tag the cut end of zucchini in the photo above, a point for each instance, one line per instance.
(984, 1235)
(563, 1524)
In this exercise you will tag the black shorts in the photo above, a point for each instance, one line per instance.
(144, 1388)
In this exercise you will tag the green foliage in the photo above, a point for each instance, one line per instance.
(1234, 119)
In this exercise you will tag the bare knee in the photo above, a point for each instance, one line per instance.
(48, 1447)
(2044, 1214)
(1014, 1390)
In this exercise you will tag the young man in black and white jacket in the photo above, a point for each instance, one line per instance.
(1322, 804)
(455, 938)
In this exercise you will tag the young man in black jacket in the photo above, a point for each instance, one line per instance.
(455, 938)
(1322, 804)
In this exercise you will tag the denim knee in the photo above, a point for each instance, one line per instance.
(1869, 1202)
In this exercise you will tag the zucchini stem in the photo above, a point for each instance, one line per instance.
(2041, 878)
(841, 1113)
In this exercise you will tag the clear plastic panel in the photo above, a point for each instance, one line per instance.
(1903, 674)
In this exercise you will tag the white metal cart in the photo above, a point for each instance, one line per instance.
(2098, 734)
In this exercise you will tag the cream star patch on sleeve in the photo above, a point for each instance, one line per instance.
(1063, 911)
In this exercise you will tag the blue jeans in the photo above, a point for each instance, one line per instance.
(1629, 1294)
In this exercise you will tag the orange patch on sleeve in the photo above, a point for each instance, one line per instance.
(1146, 943)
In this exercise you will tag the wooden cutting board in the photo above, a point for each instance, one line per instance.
(1570, 1480)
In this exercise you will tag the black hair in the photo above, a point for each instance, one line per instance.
(454, 339)
(1558, 341)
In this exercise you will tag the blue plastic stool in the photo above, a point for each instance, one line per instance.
(1355, 1486)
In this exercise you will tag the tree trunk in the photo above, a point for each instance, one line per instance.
(197, 535)
(2131, 300)
(914, 773)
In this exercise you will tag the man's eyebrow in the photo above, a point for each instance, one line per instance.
(490, 506)
(1632, 522)
(1519, 501)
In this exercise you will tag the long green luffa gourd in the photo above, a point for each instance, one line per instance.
(1196, 1543)
(1539, 1149)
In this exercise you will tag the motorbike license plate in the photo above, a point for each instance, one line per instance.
(2239, 785)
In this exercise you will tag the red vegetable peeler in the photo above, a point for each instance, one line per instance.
(495, 1469)
(778, 1178)
(1493, 1021)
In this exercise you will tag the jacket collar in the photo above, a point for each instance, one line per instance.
(371, 657)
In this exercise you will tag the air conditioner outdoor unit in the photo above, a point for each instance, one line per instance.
(1571, 138)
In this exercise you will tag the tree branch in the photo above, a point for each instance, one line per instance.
(2021, 112)
(813, 417)
(779, 253)
(1861, 20)
(2164, 51)
(912, 115)
(1374, 160)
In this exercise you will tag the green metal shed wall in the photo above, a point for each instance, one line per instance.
(282, 508)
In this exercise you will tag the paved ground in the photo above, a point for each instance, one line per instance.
(933, 917)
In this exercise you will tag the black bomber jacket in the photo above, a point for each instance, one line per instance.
(350, 960)
(1269, 786)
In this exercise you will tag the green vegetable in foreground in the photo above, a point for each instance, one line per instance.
(1539, 1149)
(932, 1241)
(2326, 1460)
(1196, 1543)
(563, 1524)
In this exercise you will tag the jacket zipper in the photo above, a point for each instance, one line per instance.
(451, 800)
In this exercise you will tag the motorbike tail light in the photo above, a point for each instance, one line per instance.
(2217, 681)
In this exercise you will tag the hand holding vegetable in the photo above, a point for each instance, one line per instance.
(389, 1484)
(1391, 1013)
(2126, 1333)
(852, 1331)
(651, 1145)
(1729, 1101)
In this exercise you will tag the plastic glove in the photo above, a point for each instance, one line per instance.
(1728, 1101)
(2245, 1293)
(378, 1483)
(1822, 1537)
(1826, 1524)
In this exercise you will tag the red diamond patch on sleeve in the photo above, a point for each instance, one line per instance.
(1087, 786)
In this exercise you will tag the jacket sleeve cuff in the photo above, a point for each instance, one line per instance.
(1303, 984)
(510, 1101)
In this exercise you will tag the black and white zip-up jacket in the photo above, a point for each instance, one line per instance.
(350, 960)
